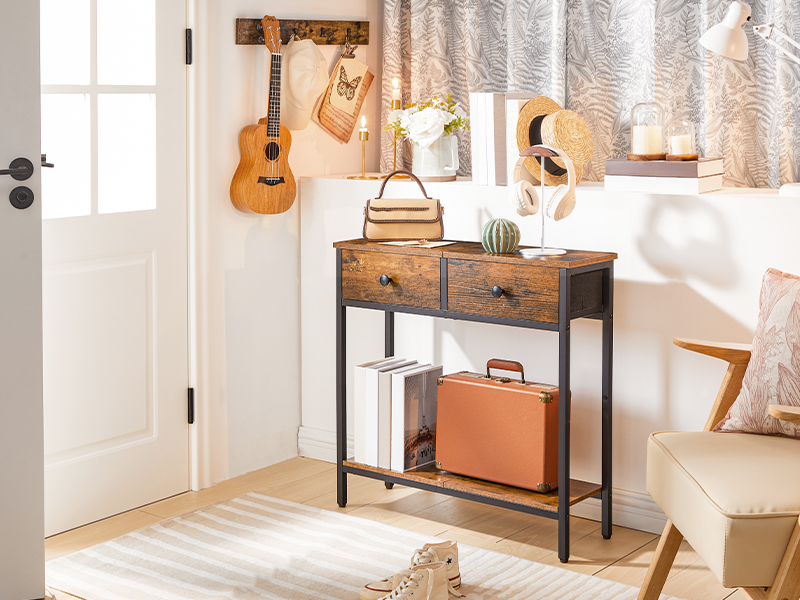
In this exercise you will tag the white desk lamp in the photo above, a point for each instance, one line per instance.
(728, 39)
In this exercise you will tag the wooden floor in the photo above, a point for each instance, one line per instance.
(624, 558)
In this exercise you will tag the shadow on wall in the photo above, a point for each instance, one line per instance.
(656, 385)
(263, 354)
(685, 238)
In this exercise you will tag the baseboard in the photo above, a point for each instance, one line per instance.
(631, 509)
(320, 444)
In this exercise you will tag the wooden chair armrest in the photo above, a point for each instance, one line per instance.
(790, 414)
(736, 354)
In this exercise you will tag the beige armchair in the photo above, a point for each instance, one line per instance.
(735, 497)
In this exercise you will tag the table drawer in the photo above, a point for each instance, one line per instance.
(414, 279)
(530, 293)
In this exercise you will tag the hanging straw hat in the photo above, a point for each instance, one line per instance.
(543, 121)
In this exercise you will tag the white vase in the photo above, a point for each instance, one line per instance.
(438, 162)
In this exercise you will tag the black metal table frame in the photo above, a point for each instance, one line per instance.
(563, 328)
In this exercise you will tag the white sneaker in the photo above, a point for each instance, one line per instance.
(446, 552)
(424, 582)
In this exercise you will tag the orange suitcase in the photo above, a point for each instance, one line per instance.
(499, 429)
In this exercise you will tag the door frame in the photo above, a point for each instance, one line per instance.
(21, 351)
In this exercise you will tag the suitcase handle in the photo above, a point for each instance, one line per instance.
(506, 365)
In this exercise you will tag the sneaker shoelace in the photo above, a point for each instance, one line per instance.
(410, 582)
(424, 557)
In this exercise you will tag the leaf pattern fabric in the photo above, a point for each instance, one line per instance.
(599, 58)
(773, 374)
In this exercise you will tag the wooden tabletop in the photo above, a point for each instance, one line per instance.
(475, 251)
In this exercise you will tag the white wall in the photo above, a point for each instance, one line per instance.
(247, 371)
(688, 266)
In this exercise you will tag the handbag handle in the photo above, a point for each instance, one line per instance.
(506, 365)
(410, 174)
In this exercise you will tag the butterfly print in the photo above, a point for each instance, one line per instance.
(347, 88)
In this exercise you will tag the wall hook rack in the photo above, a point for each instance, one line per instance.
(324, 33)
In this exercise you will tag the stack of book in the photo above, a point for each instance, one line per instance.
(395, 413)
(664, 177)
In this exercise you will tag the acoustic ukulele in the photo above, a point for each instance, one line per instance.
(263, 182)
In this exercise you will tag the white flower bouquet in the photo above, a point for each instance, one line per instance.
(425, 122)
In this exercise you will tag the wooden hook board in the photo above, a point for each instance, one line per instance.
(323, 33)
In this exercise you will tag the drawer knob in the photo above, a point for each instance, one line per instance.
(497, 291)
(385, 280)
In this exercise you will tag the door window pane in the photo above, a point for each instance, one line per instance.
(126, 42)
(66, 138)
(126, 152)
(65, 42)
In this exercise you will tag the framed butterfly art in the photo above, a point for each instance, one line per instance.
(348, 77)
(339, 107)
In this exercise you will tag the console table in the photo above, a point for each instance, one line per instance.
(461, 281)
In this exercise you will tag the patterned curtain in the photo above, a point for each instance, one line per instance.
(600, 58)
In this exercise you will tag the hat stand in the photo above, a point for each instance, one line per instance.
(537, 252)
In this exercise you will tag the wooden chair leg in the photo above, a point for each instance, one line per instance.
(787, 582)
(662, 561)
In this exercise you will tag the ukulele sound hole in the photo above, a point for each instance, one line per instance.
(272, 150)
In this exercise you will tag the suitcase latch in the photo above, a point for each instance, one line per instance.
(545, 398)
(503, 379)
(440, 381)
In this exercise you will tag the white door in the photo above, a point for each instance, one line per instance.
(115, 257)
(21, 468)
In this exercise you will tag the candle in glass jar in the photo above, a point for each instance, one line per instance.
(396, 94)
(680, 144)
(647, 139)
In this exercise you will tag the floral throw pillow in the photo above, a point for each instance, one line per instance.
(773, 374)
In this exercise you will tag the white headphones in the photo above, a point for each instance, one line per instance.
(524, 197)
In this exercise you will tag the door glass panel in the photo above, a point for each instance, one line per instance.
(126, 42)
(66, 190)
(65, 42)
(126, 152)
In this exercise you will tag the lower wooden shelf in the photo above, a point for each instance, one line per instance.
(430, 476)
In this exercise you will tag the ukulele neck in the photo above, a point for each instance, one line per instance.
(274, 112)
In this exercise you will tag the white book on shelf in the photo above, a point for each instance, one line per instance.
(477, 103)
(663, 185)
(514, 104)
(489, 123)
(413, 439)
(385, 410)
(360, 405)
(372, 424)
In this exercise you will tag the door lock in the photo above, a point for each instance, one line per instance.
(21, 197)
(20, 169)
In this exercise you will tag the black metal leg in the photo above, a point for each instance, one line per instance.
(341, 392)
(564, 402)
(389, 485)
(608, 359)
(388, 339)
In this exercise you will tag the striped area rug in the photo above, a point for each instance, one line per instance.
(261, 547)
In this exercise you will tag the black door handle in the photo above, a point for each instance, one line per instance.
(45, 163)
(20, 169)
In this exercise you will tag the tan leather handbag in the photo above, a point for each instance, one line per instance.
(403, 219)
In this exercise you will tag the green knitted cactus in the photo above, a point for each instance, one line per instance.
(500, 236)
